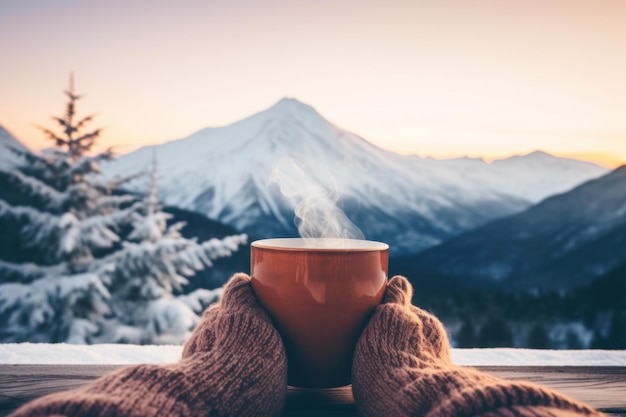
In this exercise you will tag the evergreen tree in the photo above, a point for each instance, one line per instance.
(495, 333)
(538, 338)
(599, 341)
(616, 337)
(573, 340)
(151, 265)
(78, 271)
(466, 337)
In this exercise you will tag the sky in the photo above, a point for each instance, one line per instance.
(443, 78)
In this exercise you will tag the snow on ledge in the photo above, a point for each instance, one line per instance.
(538, 357)
(110, 354)
(104, 354)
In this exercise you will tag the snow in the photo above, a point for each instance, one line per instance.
(103, 354)
(533, 177)
(538, 357)
(8, 159)
(222, 173)
(82, 295)
(118, 354)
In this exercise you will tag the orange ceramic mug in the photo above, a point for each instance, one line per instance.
(320, 294)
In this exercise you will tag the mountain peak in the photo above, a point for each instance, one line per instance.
(621, 170)
(7, 142)
(397, 199)
(295, 112)
(292, 106)
(3, 131)
(7, 138)
(290, 102)
(537, 155)
(540, 154)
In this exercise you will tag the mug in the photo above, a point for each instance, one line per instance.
(320, 293)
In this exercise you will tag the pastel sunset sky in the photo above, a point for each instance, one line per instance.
(442, 78)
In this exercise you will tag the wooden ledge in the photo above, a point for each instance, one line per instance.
(602, 387)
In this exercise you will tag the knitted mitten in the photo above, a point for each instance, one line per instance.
(234, 364)
(402, 367)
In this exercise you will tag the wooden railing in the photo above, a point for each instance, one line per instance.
(603, 387)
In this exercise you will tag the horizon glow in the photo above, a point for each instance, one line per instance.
(442, 79)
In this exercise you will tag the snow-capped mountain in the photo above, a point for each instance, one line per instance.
(8, 141)
(561, 243)
(532, 177)
(410, 202)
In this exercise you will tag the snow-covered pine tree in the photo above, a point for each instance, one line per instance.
(71, 224)
(64, 214)
(153, 262)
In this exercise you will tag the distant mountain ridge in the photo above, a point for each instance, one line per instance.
(564, 242)
(410, 202)
(7, 141)
(534, 176)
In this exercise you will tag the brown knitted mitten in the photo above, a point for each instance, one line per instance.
(402, 367)
(233, 365)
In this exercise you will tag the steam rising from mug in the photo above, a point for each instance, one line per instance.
(316, 211)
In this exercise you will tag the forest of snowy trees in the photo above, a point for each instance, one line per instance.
(94, 264)
(83, 261)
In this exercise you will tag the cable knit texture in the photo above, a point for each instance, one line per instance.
(402, 367)
(234, 364)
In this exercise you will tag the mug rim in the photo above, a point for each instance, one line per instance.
(320, 244)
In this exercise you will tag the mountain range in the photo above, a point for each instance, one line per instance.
(7, 141)
(410, 202)
(564, 242)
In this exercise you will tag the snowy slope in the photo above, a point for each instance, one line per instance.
(7, 141)
(563, 242)
(410, 202)
(533, 177)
